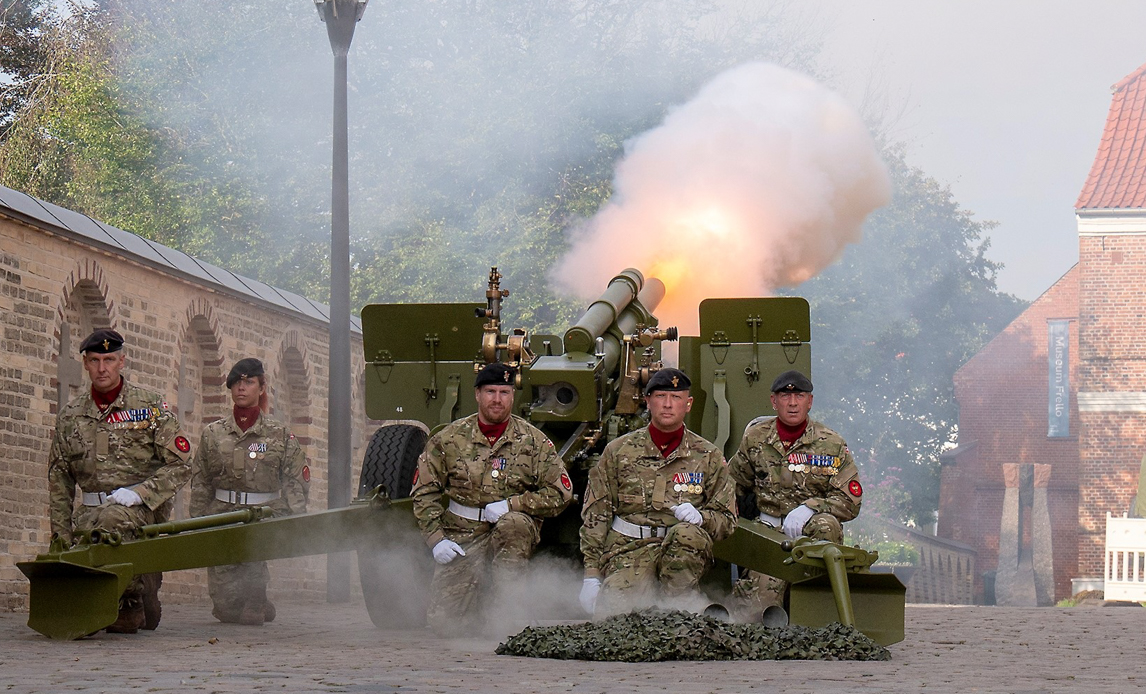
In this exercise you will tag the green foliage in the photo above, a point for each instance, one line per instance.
(895, 552)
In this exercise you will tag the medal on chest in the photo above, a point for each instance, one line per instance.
(691, 482)
(497, 467)
(255, 449)
(814, 464)
(133, 419)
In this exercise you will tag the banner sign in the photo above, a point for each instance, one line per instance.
(1058, 363)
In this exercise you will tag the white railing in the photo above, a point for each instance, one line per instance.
(1125, 570)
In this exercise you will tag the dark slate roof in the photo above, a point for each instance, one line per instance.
(122, 243)
(1117, 178)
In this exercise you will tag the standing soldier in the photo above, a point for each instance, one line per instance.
(247, 459)
(801, 475)
(656, 502)
(124, 449)
(483, 485)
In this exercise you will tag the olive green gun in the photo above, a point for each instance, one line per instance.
(583, 388)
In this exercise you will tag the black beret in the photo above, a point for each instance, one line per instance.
(792, 382)
(244, 368)
(496, 374)
(103, 341)
(668, 379)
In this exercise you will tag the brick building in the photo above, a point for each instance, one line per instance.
(185, 321)
(1004, 391)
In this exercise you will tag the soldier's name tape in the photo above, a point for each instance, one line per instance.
(467, 512)
(638, 532)
(245, 498)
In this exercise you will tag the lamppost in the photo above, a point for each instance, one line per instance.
(340, 17)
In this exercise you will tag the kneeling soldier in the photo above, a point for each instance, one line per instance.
(655, 503)
(247, 459)
(483, 485)
(800, 477)
(123, 448)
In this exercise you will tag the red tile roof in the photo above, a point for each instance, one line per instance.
(1117, 178)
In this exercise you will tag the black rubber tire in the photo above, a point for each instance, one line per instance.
(391, 459)
(396, 574)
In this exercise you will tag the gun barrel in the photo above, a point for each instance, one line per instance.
(603, 312)
(652, 295)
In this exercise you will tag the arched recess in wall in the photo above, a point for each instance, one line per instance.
(290, 392)
(202, 373)
(202, 396)
(83, 308)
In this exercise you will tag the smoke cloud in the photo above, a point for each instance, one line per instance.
(760, 181)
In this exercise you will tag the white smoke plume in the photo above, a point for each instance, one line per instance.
(758, 182)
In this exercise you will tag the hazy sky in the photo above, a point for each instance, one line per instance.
(1004, 100)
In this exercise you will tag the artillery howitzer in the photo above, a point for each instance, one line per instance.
(583, 389)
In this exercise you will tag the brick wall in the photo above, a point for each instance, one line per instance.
(1002, 395)
(182, 337)
(1112, 361)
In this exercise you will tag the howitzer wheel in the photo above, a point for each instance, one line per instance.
(391, 459)
(396, 574)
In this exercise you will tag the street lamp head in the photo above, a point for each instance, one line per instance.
(340, 17)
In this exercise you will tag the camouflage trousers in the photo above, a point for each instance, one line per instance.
(493, 561)
(756, 592)
(638, 573)
(124, 520)
(234, 586)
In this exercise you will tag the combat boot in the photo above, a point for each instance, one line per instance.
(152, 609)
(130, 619)
(254, 614)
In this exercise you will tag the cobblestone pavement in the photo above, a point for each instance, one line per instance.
(335, 648)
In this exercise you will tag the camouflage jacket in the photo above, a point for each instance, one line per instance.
(632, 480)
(521, 467)
(264, 458)
(135, 443)
(818, 471)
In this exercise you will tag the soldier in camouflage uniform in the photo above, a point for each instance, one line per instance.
(247, 459)
(655, 503)
(123, 448)
(801, 477)
(483, 486)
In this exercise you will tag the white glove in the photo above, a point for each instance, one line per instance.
(494, 511)
(795, 520)
(447, 550)
(770, 520)
(590, 587)
(687, 513)
(125, 497)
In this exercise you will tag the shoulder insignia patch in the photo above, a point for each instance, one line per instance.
(566, 482)
(855, 489)
(182, 444)
(305, 473)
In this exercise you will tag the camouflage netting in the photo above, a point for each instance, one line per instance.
(654, 635)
